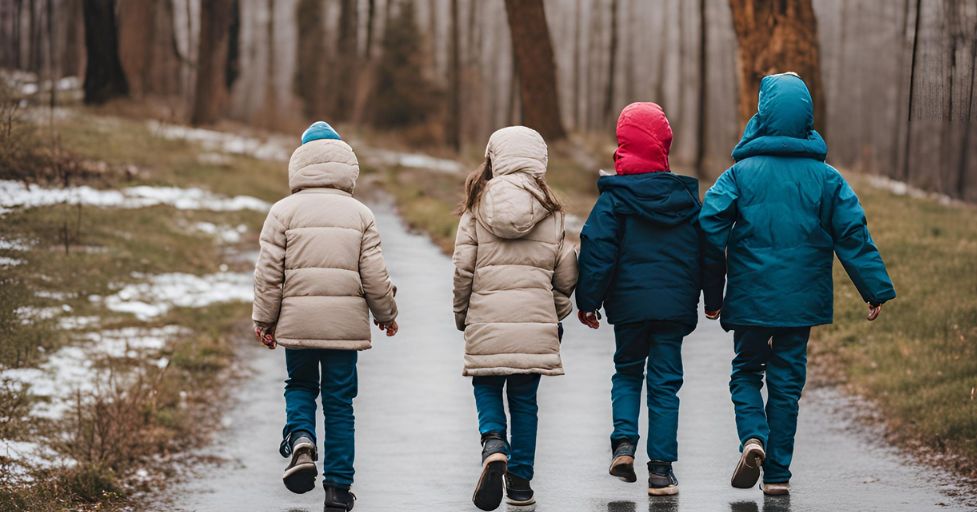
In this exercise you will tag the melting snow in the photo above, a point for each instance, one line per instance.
(73, 368)
(164, 291)
(23, 456)
(270, 149)
(413, 160)
(224, 233)
(901, 188)
(13, 245)
(10, 262)
(16, 194)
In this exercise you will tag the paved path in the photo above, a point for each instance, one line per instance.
(418, 446)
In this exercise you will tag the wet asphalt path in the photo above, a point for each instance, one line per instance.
(418, 445)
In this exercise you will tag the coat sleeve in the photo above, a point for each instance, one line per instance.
(466, 249)
(716, 220)
(598, 255)
(854, 246)
(564, 278)
(269, 272)
(378, 289)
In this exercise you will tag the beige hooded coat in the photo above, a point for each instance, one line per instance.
(320, 269)
(514, 271)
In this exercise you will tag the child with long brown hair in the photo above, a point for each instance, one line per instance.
(514, 274)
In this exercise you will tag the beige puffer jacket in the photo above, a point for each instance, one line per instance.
(320, 267)
(514, 270)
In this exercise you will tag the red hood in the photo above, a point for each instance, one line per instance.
(644, 138)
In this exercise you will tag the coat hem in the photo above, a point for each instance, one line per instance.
(494, 372)
(324, 344)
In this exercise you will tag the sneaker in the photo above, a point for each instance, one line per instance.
(661, 479)
(338, 499)
(776, 489)
(488, 491)
(518, 491)
(747, 470)
(622, 461)
(300, 475)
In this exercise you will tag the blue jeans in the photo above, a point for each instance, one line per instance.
(657, 345)
(521, 392)
(784, 361)
(333, 372)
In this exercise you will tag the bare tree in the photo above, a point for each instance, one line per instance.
(907, 144)
(965, 145)
(346, 57)
(310, 74)
(533, 53)
(211, 95)
(776, 37)
(700, 127)
(577, 78)
(104, 78)
(607, 111)
(453, 134)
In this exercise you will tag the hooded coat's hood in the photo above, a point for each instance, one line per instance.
(511, 204)
(662, 197)
(784, 122)
(324, 163)
(644, 138)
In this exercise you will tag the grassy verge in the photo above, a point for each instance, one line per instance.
(117, 434)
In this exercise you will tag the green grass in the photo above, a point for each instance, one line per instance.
(918, 361)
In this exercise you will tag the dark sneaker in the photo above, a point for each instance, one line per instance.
(776, 489)
(661, 479)
(622, 461)
(517, 491)
(488, 491)
(300, 475)
(747, 470)
(338, 499)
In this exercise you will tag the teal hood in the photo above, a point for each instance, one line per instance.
(784, 122)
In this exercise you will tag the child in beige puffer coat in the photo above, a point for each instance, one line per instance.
(319, 275)
(514, 274)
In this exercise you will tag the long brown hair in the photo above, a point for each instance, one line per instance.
(477, 179)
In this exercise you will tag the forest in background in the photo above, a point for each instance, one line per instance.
(894, 79)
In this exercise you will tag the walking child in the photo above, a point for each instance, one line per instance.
(514, 273)
(779, 215)
(319, 275)
(640, 260)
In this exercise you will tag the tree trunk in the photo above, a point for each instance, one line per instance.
(346, 56)
(775, 37)
(606, 113)
(702, 108)
(454, 108)
(965, 145)
(310, 78)
(900, 85)
(211, 95)
(907, 144)
(533, 53)
(104, 78)
(663, 55)
(577, 78)
(371, 10)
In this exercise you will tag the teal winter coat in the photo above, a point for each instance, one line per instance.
(780, 214)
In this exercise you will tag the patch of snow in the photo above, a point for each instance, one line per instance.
(44, 294)
(10, 262)
(28, 314)
(16, 194)
(211, 158)
(412, 160)
(273, 148)
(13, 245)
(901, 188)
(73, 368)
(163, 292)
(224, 233)
(71, 323)
(22, 456)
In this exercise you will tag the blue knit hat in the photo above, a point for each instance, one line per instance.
(319, 130)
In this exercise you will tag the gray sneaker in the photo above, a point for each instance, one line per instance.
(747, 470)
(661, 479)
(301, 473)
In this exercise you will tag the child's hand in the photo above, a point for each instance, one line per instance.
(589, 318)
(265, 336)
(873, 311)
(712, 315)
(391, 327)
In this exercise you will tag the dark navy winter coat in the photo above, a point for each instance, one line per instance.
(640, 252)
(780, 214)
